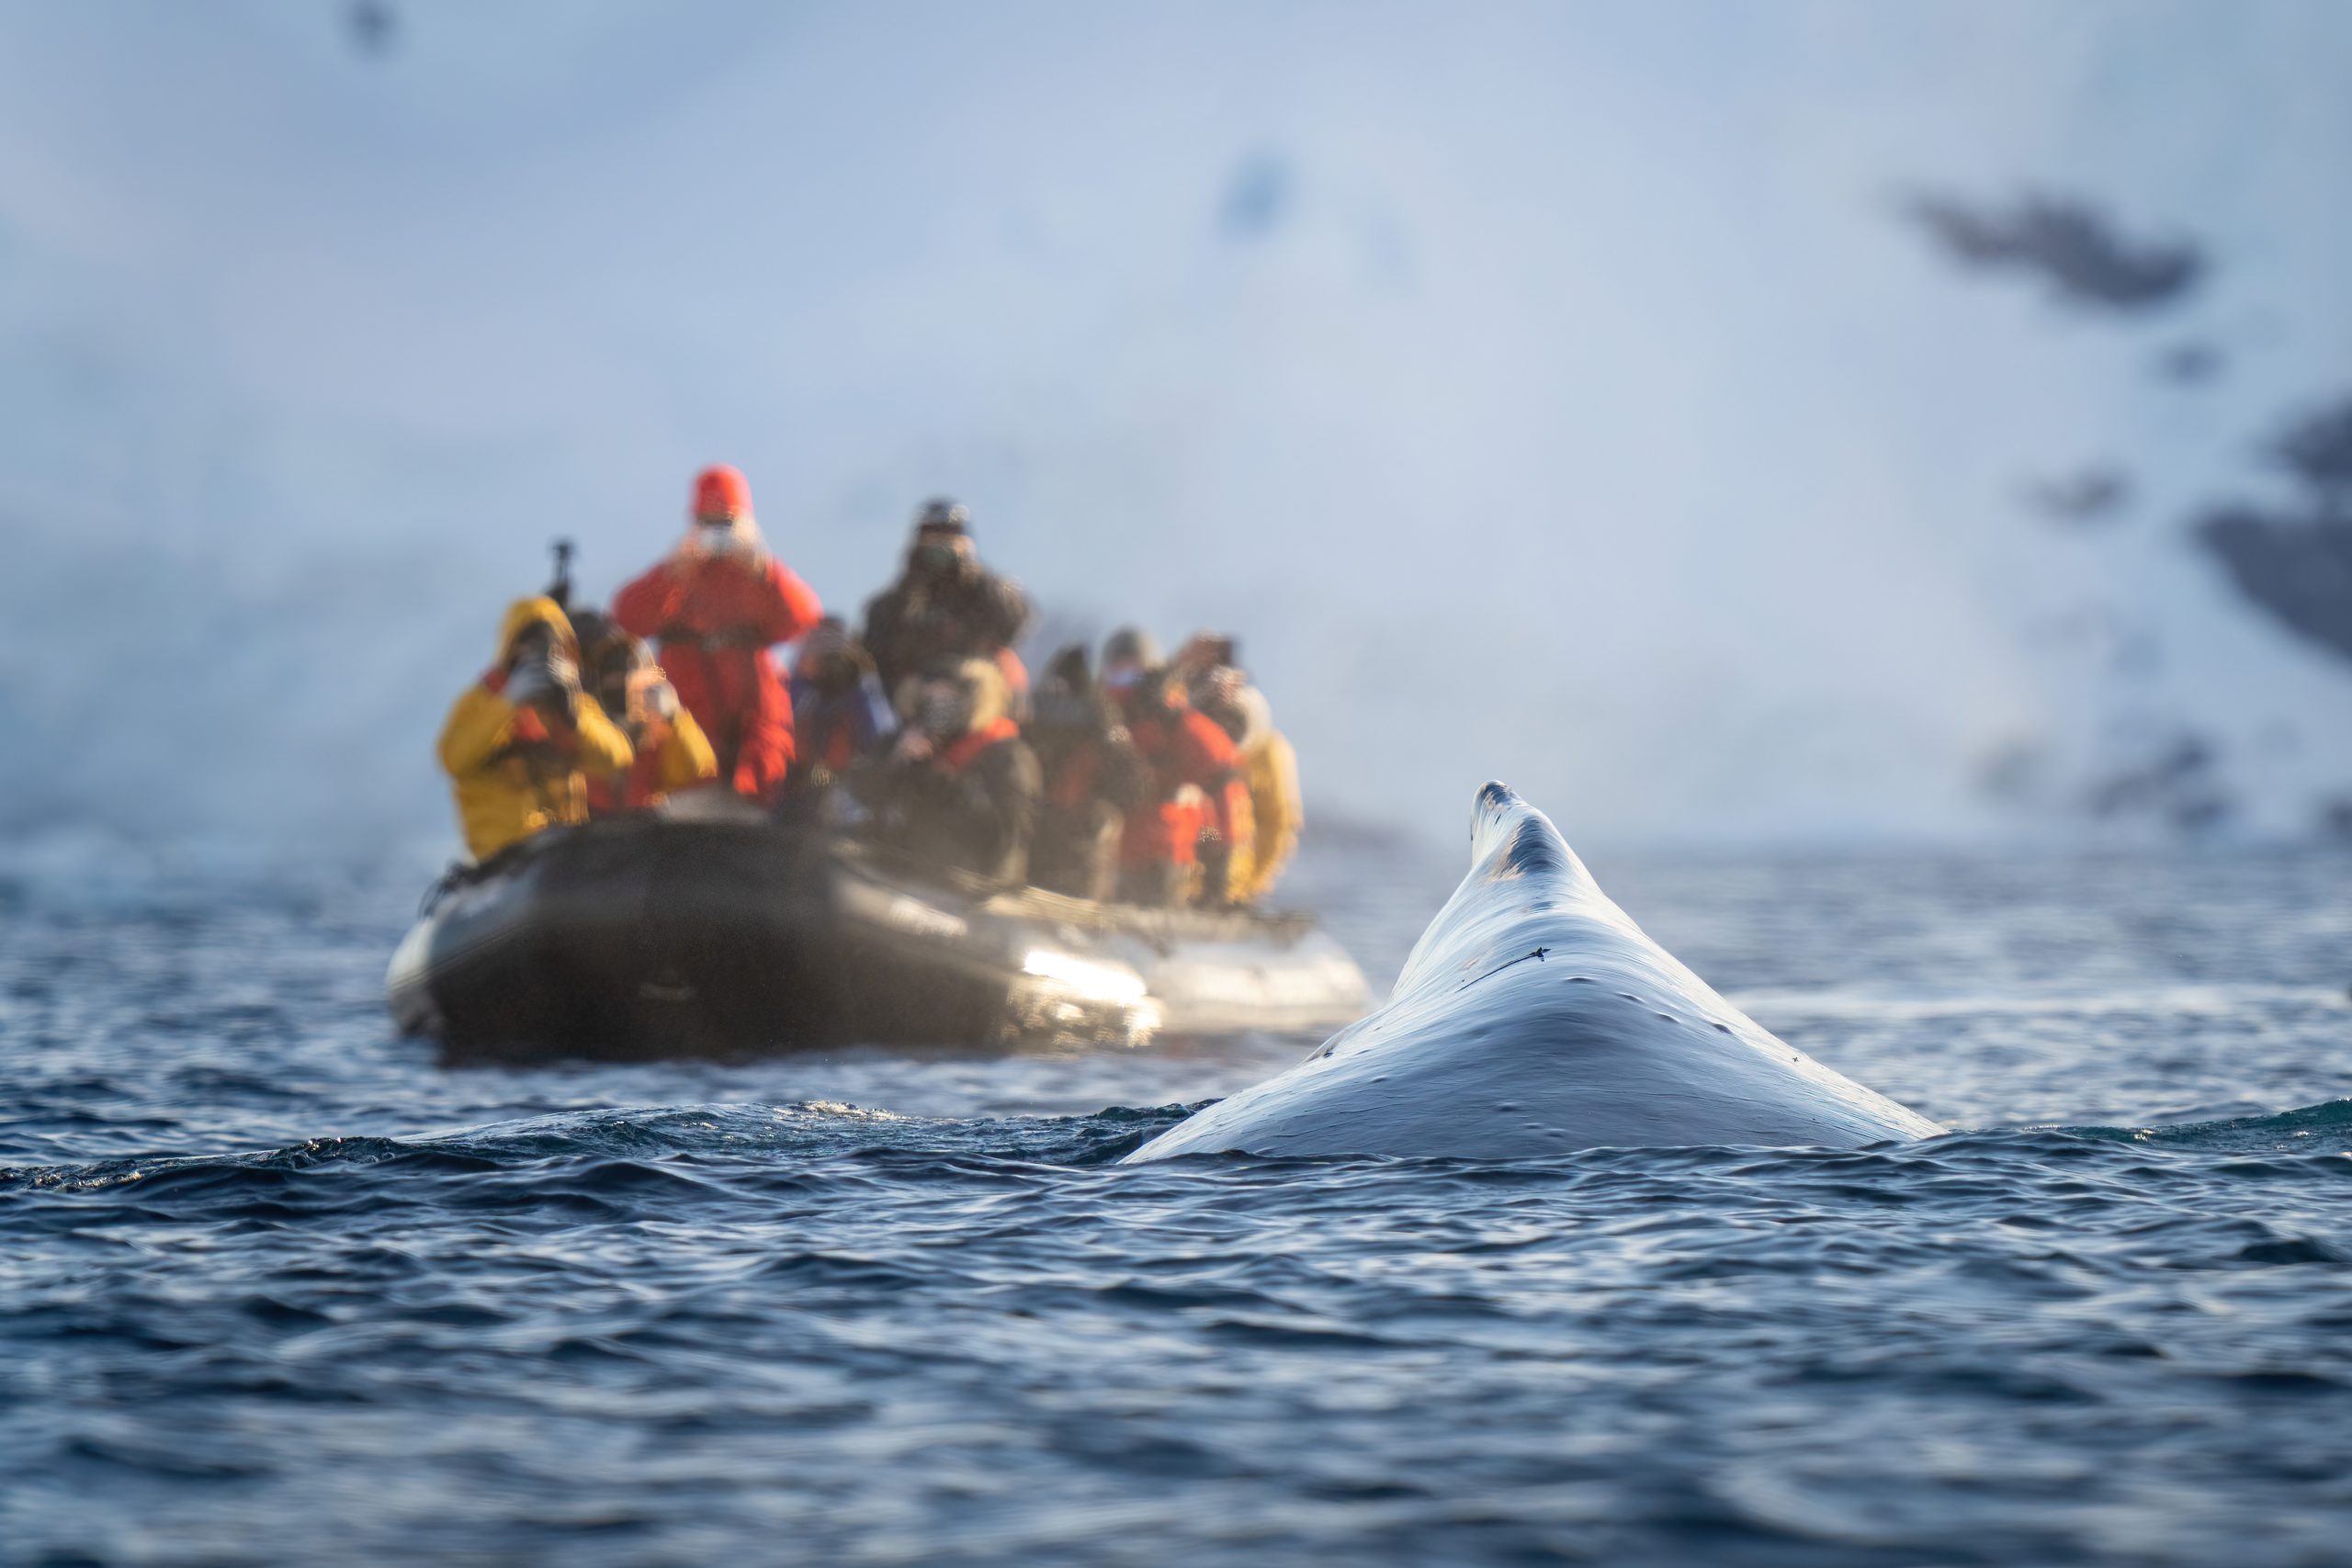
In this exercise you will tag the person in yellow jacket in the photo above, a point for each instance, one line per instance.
(520, 741)
(1269, 773)
(1270, 769)
(673, 753)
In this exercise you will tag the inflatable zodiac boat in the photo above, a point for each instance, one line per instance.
(648, 936)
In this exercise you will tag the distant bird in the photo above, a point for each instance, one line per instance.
(1257, 198)
(2084, 500)
(2069, 243)
(2015, 771)
(2190, 364)
(374, 26)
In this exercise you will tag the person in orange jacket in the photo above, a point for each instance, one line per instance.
(672, 752)
(521, 742)
(717, 606)
(1197, 796)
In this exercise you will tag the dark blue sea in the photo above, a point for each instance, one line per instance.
(277, 1285)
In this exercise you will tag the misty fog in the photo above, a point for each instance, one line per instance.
(1551, 392)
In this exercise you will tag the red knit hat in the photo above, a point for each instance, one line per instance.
(721, 494)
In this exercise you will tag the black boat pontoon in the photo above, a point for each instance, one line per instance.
(654, 935)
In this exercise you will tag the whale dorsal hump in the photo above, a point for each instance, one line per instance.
(1534, 1018)
(1520, 870)
(1511, 839)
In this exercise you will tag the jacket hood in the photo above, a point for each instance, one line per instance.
(525, 614)
(984, 692)
(982, 696)
(1257, 718)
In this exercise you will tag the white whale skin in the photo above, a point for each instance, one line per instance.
(1533, 1018)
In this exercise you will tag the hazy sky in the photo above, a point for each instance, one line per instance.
(1541, 391)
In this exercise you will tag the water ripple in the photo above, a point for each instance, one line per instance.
(273, 1284)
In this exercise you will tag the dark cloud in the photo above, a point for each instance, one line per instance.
(2176, 780)
(2318, 447)
(2071, 244)
(2296, 569)
(2294, 562)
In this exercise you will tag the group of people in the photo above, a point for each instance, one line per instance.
(1138, 778)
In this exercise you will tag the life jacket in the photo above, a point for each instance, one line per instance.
(1192, 762)
(670, 757)
(608, 795)
(966, 749)
(1072, 784)
(542, 760)
(828, 734)
(840, 747)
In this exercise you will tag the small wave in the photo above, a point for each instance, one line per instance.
(2164, 1001)
(610, 1154)
(2322, 1129)
(633, 1136)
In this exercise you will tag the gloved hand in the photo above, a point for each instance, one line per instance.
(527, 683)
(651, 695)
(941, 712)
(563, 674)
(549, 683)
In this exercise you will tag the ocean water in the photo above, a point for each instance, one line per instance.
(275, 1285)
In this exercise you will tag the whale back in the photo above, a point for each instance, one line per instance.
(1521, 873)
(1533, 1017)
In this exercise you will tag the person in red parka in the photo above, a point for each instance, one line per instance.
(1196, 794)
(717, 606)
